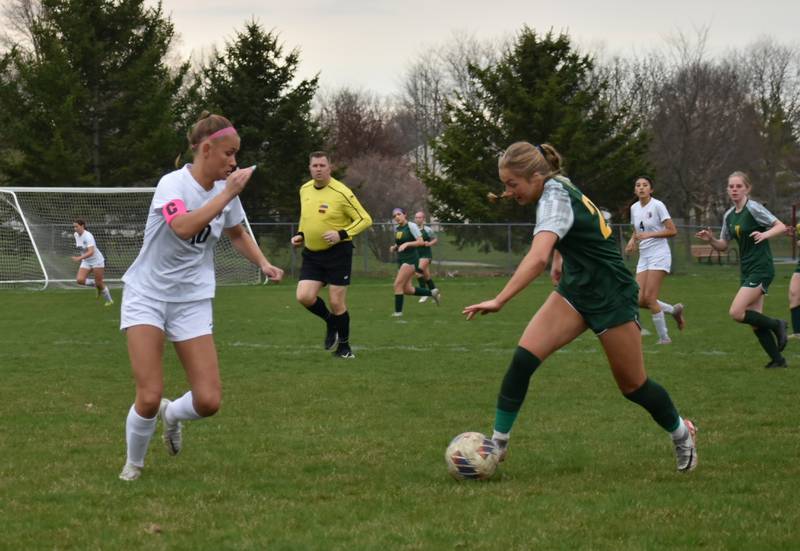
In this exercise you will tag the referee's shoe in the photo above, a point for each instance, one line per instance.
(343, 351)
(331, 336)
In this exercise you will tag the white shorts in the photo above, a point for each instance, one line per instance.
(88, 263)
(180, 321)
(662, 262)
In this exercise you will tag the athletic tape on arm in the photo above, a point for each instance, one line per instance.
(173, 209)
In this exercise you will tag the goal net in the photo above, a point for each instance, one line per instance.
(36, 235)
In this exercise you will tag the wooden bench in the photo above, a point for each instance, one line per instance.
(707, 252)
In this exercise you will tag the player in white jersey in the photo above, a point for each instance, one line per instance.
(652, 225)
(91, 260)
(170, 286)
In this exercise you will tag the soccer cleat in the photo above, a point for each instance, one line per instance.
(109, 302)
(130, 472)
(344, 351)
(502, 448)
(436, 296)
(781, 335)
(686, 450)
(173, 439)
(677, 314)
(776, 363)
(331, 337)
(664, 341)
(397, 314)
(645, 332)
(423, 299)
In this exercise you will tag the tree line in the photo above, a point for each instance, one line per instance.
(92, 93)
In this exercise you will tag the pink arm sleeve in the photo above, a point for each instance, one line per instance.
(173, 209)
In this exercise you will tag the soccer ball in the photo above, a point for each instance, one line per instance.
(471, 456)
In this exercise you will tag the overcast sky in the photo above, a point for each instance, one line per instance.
(368, 44)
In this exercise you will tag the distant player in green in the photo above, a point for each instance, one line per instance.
(595, 291)
(407, 239)
(751, 225)
(794, 290)
(429, 239)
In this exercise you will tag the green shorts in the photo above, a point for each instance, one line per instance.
(424, 252)
(757, 280)
(600, 322)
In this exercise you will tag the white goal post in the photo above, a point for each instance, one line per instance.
(36, 235)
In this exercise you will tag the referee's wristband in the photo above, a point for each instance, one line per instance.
(343, 235)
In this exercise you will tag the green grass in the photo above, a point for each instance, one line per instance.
(309, 452)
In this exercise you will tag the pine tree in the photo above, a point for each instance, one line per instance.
(251, 83)
(93, 101)
(541, 90)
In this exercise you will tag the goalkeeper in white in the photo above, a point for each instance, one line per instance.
(92, 260)
(169, 287)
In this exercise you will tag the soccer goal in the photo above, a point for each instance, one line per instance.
(36, 235)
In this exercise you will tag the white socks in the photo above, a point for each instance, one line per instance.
(681, 433)
(661, 325)
(501, 435)
(106, 294)
(138, 431)
(666, 308)
(181, 409)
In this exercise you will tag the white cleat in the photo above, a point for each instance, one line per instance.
(677, 314)
(664, 341)
(397, 314)
(686, 449)
(172, 431)
(436, 296)
(423, 299)
(130, 472)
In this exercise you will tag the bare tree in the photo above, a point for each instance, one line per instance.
(772, 71)
(702, 128)
(18, 17)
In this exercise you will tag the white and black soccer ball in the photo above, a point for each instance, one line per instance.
(472, 456)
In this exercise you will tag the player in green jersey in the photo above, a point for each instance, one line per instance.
(751, 225)
(595, 290)
(407, 239)
(425, 254)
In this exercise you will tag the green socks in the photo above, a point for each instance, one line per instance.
(652, 397)
(757, 319)
(514, 388)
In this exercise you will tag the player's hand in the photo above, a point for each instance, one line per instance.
(331, 237)
(630, 247)
(482, 308)
(272, 272)
(297, 240)
(76, 258)
(758, 236)
(237, 181)
(392, 248)
(402, 247)
(638, 236)
(705, 235)
(555, 274)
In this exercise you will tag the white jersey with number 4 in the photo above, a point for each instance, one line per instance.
(83, 242)
(172, 269)
(650, 218)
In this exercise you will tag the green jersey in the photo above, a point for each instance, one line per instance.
(594, 278)
(405, 234)
(755, 258)
(427, 235)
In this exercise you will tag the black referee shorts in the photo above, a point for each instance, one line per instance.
(329, 266)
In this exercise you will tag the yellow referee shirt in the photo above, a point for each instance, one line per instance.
(333, 207)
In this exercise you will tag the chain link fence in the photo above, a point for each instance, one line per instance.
(492, 249)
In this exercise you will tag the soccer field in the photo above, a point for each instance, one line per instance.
(313, 452)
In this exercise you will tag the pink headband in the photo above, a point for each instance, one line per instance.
(227, 131)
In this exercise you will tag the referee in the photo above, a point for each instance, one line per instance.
(330, 216)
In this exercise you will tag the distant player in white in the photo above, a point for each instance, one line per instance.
(652, 226)
(92, 260)
(170, 286)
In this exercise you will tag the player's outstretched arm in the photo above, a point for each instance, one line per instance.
(534, 263)
(244, 243)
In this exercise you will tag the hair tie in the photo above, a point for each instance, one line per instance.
(539, 147)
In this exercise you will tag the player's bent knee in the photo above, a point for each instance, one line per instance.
(207, 404)
(736, 314)
(147, 402)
